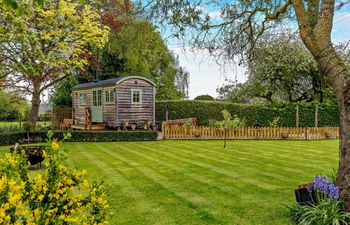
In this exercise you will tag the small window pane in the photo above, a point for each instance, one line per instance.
(109, 96)
(94, 100)
(136, 96)
(99, 98)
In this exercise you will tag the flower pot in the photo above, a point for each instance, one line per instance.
(125, 125)
(196, 134)
(284, 134)
(133, 126)
(34, 153)
(328, 134)
(303, 195)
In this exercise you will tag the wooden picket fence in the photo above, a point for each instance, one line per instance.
(202, 132)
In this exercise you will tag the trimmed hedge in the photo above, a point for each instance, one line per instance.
(81, 136)
(254, 114)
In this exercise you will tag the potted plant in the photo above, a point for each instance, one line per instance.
(34, 153)
(328, 134)
(196, 134)
(304, 194)
(125, 125)
(28, 127)
(133, 126)
(146, 125)
(284, 134)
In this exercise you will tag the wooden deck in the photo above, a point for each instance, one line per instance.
(93, 127)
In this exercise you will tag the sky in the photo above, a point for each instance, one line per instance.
(206, 75)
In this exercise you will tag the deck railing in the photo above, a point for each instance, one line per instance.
(202, 132)
(88, 118)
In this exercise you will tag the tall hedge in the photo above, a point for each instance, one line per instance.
(254, 114)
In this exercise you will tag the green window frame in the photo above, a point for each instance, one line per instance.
(136, 96)
(109, 96)
(82, 99)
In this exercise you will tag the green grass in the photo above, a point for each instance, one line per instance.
(200, 182)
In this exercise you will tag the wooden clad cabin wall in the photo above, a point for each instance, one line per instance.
(137, 112)
(109, 110)
(79, 110)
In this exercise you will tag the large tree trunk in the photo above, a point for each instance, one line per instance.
(33, 116)
(333, 66)
(315, 28)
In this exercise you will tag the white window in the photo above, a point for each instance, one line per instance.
(136, 96)
(109, 96)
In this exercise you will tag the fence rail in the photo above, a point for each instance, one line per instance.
(202, 132)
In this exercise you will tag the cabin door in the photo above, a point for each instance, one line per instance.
(97, 107)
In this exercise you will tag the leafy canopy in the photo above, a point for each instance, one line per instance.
(281, 70)
(46, 43)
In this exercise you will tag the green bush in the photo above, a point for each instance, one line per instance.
(324, 213)
(81, 136)
(253, 114)
(204, 97)
(57, 195)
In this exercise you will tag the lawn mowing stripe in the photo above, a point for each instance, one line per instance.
(291, 182)
(252, 170)
(308, 151)
(195, 201)
(291, 150)
(279, 164)
(206, 178)
(186, 172)
(263, 150)
(200, 178)
(234, 208)
(202, 189)
(276, 176)
(234, 175)
(194, 167)
(141, 202)
(272, 158)
(142, 167)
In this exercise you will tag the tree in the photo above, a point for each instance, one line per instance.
(204, 97)
(134, 48)
(12, 106)
(236, 92)
(243, 23)
(45, 44)
(281, 70)
(138, 49)
(61, 97)
(182, 78)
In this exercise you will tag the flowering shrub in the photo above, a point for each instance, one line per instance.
(324, 188)
(327, 208)
(54, 196)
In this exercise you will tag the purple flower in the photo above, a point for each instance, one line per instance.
(325, 186)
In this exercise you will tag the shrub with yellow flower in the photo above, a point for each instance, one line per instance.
(57, 195)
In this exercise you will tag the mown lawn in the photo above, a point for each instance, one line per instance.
(200, 182)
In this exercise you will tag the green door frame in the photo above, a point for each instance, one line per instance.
(97, 105)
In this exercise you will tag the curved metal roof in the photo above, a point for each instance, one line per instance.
(109, 82)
